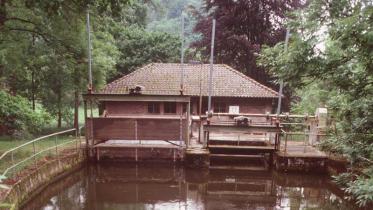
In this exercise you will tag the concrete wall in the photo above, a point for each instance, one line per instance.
(36, 181)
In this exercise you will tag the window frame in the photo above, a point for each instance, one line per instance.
(166, 106)
(154, 108)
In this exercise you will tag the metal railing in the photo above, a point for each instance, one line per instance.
(47, 147)
(304, 139)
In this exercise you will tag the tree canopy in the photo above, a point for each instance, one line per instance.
(242, 27)
(43, 48)
(330, 52)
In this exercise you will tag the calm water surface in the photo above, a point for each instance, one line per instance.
(131, 187)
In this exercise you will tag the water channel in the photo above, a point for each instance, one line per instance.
(131, 187)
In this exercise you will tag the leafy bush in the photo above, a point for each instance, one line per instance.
(17, 118)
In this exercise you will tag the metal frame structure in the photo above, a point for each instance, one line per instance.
(12, 151)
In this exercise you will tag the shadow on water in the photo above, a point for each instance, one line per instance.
(129, 187)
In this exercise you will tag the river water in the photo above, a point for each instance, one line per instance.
(140, 187)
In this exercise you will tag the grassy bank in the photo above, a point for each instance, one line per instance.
(46, 147)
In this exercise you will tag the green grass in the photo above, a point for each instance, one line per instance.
(28, 150)
(8, 142)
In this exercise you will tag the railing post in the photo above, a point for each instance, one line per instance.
(12, 157)
(55, 144)
(33, 146)
(286, 142)
(76, 142)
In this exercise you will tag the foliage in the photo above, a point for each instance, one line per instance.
(334, 48)
(43, 49)
(242, 27)
(165, 16)
(16, 116)
(307, 99)
(139, 47)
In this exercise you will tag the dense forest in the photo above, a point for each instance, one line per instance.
(329, 61)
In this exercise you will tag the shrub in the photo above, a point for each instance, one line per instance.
(17, 117)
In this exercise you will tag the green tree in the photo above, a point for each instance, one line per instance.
(332, 44)
(17, 118)
(139, 47)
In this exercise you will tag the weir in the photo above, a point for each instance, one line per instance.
(241, 141)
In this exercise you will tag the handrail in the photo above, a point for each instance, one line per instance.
(35, 154)
(263, 115)
(35, 140)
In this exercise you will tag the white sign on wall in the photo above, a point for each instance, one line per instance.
(234, 109)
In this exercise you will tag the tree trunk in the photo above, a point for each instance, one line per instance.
(2, 13)
(76, 111)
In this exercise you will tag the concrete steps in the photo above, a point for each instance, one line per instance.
(242, 156)
(239, 168)
(243, 150)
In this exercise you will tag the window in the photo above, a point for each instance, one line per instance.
(220, 107)
(153, 108)
(170, 108)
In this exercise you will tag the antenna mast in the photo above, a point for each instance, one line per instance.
(211, 65)
(182, 55)
(282, 82)
(89, 55)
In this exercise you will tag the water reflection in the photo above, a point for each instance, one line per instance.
(130, 187)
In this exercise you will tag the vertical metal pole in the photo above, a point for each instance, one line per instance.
(200, 106)
(211, 65)
(55, 144)
(182, 55)
(12, 157)
(136, 137)
(282, 82)
(188, 124)
(181, 128)
(286, 142)
(33, 147)
(89, 54)
(86, 128)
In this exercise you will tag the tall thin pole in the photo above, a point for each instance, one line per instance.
(282, 82)
(211, 65)
(182, 55)
(89, 54)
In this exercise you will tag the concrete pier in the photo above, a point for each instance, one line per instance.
(197, 158)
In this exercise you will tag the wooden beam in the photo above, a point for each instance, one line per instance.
(123, 97)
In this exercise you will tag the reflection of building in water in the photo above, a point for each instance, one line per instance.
(130, 187)
(240, 190)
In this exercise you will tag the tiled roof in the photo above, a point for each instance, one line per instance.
(164, 79)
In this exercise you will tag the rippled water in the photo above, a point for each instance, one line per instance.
(130, 187)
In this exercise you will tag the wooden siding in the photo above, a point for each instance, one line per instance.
(107, 128)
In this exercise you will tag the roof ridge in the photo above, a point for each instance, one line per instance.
(250, 79)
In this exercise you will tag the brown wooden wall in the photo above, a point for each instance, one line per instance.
(107, 128)
(117, 108)
(247, 105)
